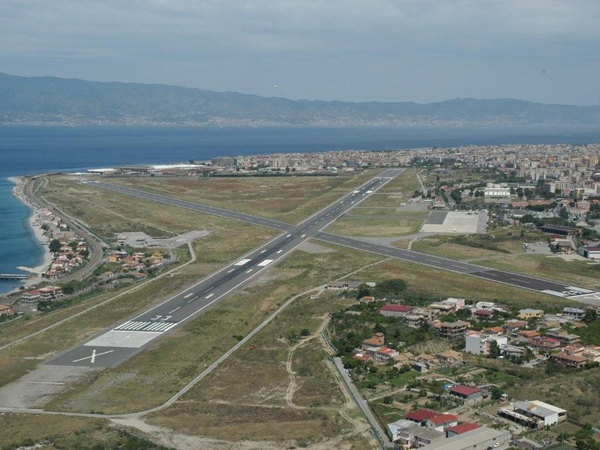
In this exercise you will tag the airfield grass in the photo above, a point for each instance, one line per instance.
(151, 377)
(576, 273)
(109, 213)
(286, 198)
(266, 379)
(225, 397)
(438, 247)
(443, 284)
(389, 225)
(379, 216)
(68, 433)
(406, 183)
(500, 242)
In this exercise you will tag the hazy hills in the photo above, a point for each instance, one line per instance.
(46, 100)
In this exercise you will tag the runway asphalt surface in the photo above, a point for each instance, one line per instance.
(130, 337)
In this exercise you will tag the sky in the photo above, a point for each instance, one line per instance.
(350, 50)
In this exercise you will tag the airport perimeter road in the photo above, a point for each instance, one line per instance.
(130, 337)
(499, 276)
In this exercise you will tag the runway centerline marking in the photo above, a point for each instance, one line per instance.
(171, 312)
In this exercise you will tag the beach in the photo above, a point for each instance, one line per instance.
(34, 224)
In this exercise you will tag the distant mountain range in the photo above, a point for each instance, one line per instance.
(59, 101)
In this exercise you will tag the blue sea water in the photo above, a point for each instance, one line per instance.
(26, 150)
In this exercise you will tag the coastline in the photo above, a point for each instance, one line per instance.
(35, 228)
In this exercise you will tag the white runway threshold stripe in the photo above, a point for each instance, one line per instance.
(266, 262)
(133, 325)
(242, 262)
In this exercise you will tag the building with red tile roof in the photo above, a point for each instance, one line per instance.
(461, 428)
(420, 415)
(394, 310)
(467, 393)
(440, 422)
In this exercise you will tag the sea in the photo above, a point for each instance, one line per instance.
(30, 150)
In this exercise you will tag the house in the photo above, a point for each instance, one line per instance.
(6, 311)
(377, 340)
(343, 285)
(30, 297)
(394, 310)
(361, 356)
(528, 334)
(481, 344)
(420, 415)
(467, 393)
(573, 361)
(413, 320)
(453, 330)
(484, 314)
(461, 429)
(425, 363)
(544, 343)
(403, 359)
(590, 252)
(558, 230)
(440, 422)
(407, 433)
(563, 336)
(485, 305)
(574, 313)
(534, 414)
(514, 325)
(449, 305)
(482, 438)
(449, 359)
(384, 354)
(513, 350)
(529, 313)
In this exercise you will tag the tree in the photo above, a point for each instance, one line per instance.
(494, 350)
(390, 288)
(54, 245)
(363, 290)
(496, 392)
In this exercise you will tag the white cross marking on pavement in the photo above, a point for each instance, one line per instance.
(93, 356)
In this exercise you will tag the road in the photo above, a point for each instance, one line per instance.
(130, 337)
(94, 245)
(362, 404)
(536, 284)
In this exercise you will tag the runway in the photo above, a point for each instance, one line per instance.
(512, 279)
(130, 337)
(509, 278)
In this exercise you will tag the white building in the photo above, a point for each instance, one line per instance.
(483, 438)
(480, 344)
(496, 193)
(534, 414)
